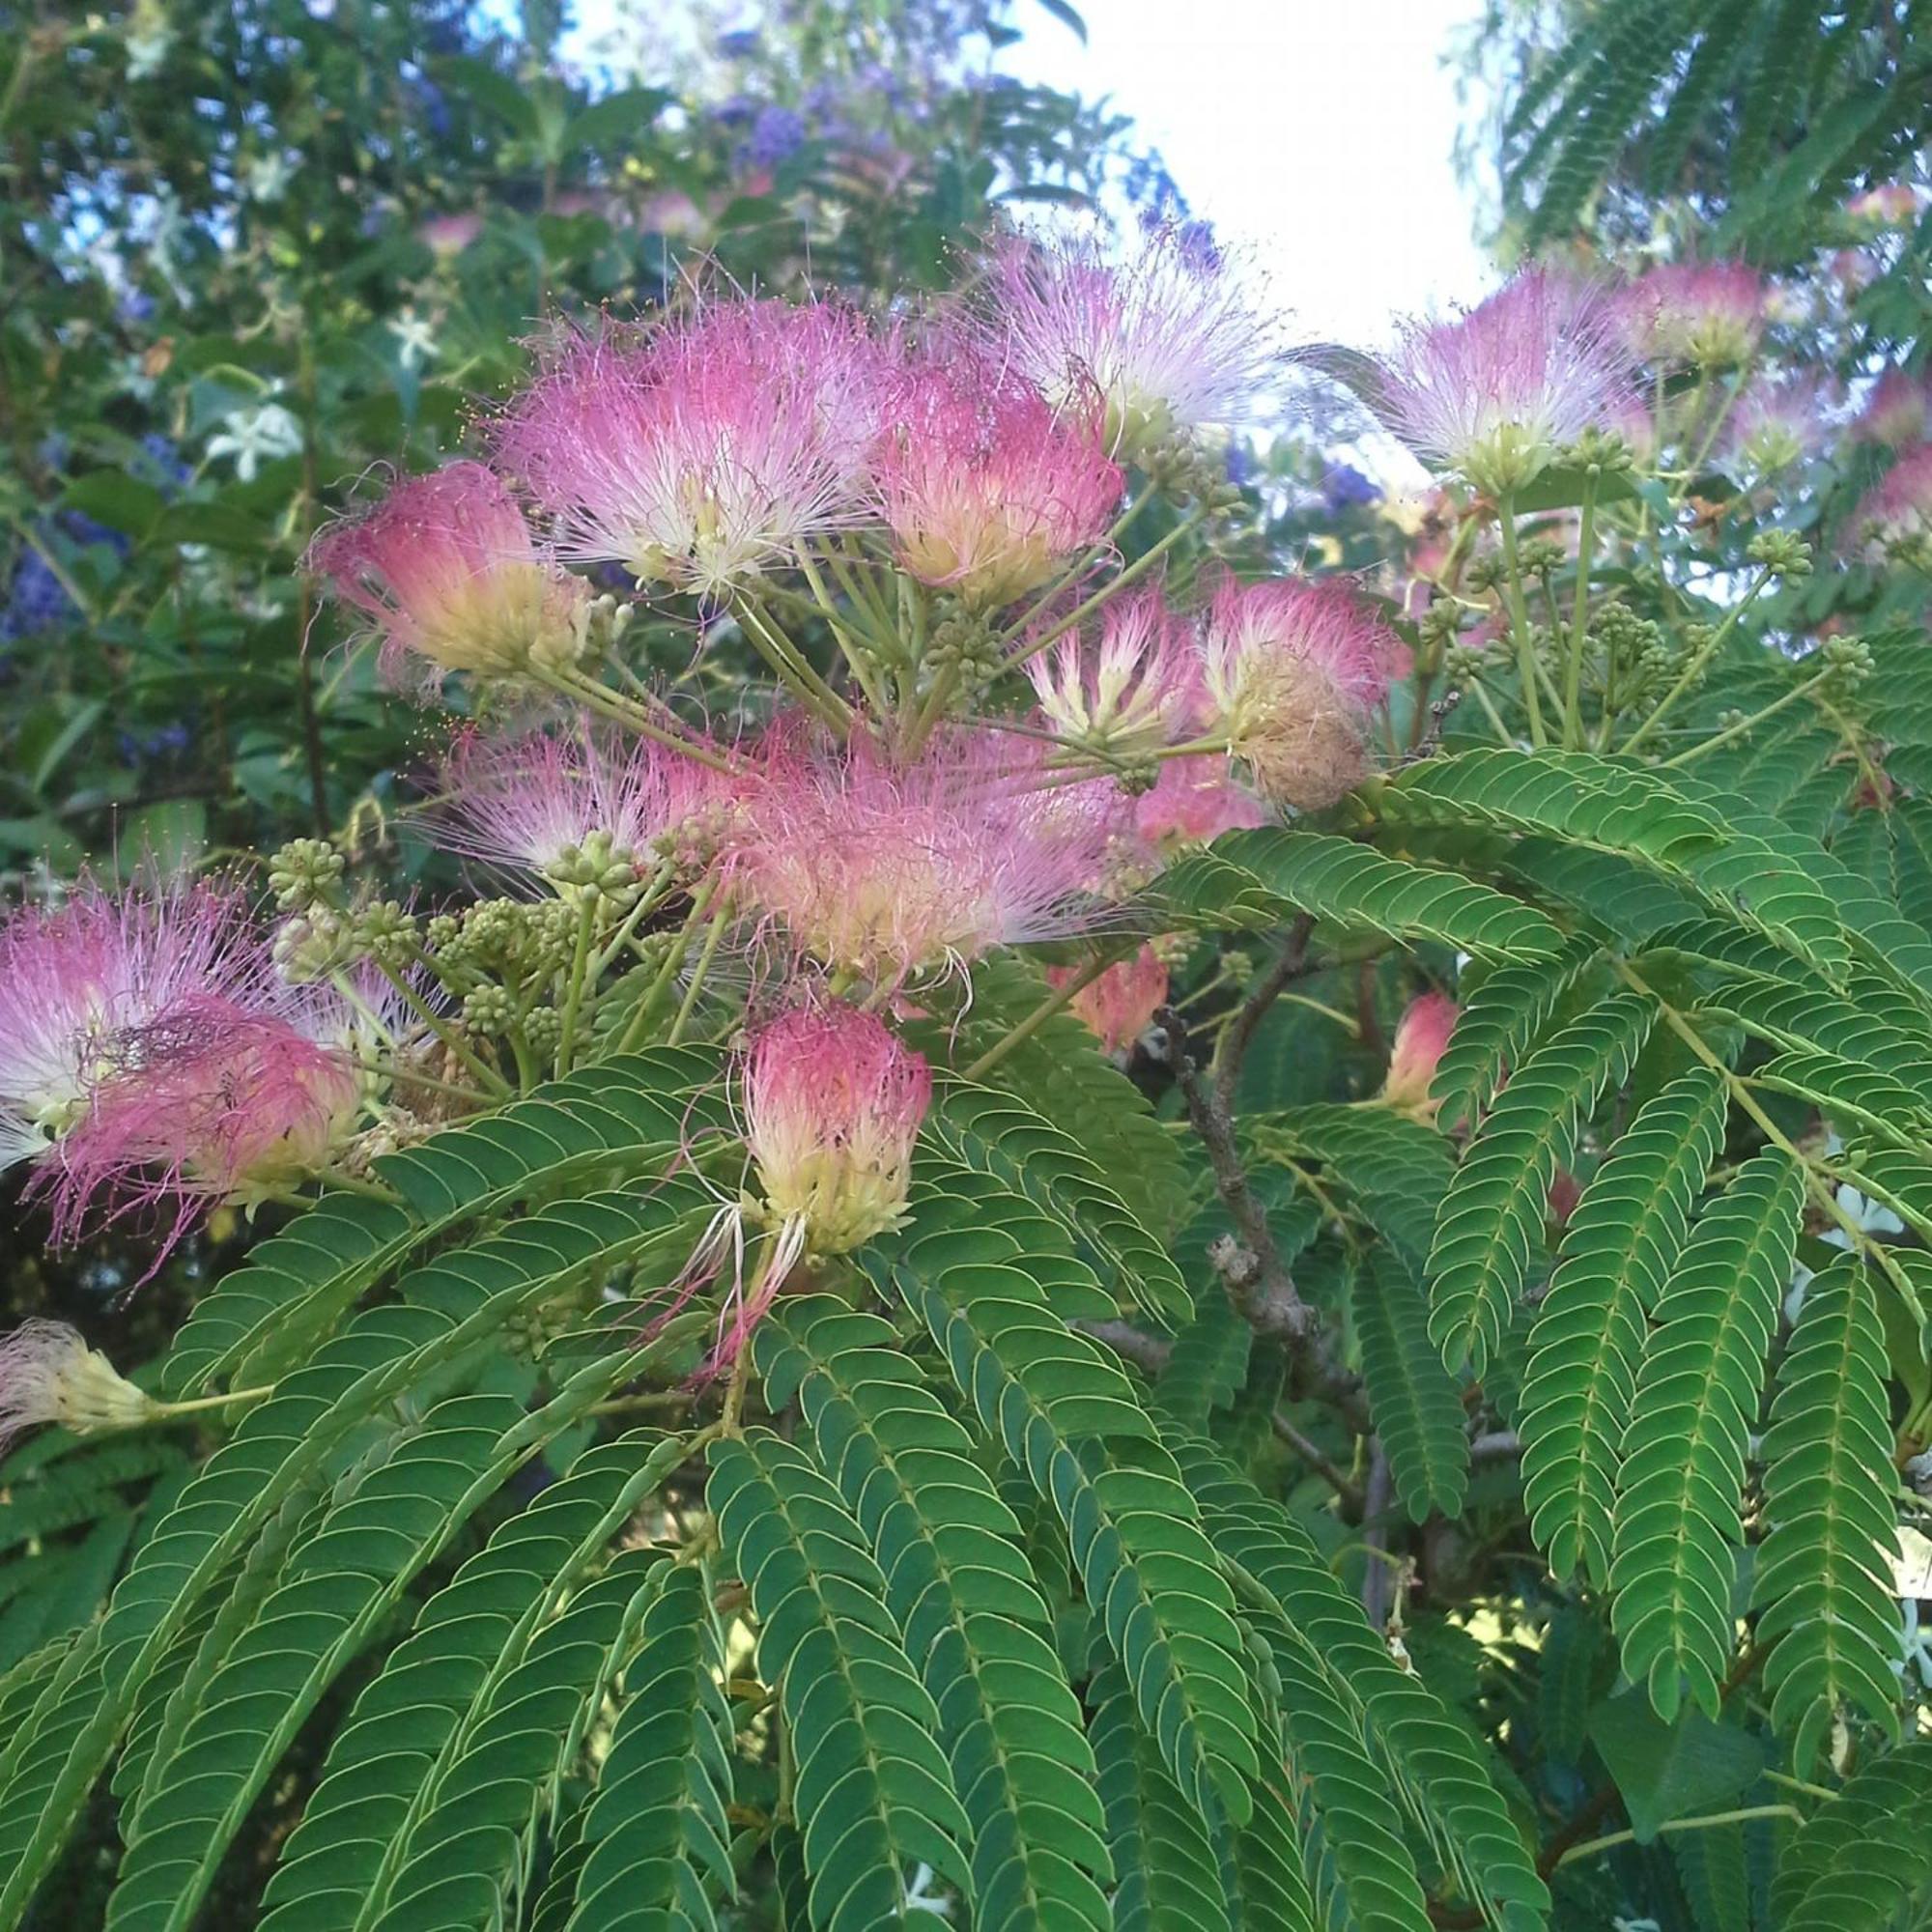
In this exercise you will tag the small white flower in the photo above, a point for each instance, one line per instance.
(1801, 1278)
(266, 177)
(1873, 1217)
(415, 339)
(147, 47)
(921, 1897)
(254, 432)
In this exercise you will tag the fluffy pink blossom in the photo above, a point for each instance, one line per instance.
(150, 1058)
(77, 980)
(1139, 690)
(986, 487)
(1194, 799)
(1775, 424)
(212, 1102)
(703, 452)
(1166, 338)
(883, 869)
(1898, 411)
(1707, 313)
(581, 809)
(1291, 668)
(1894, 204)
(1897, 514)
(1499, 391)
(1119, 1005)
(445, 566)
(49, 1374)
(1420, 1039)
(833, 1103)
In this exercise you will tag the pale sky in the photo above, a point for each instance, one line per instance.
(1315, 135)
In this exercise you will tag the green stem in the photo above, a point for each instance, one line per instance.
(1590, 1847)
(493, 1081)
(1518, 609)
(579, 974)
(1057, 1001)
(856, 659)
(621, 710)
(166, 1411)
(1072, 574)
(648, 1001)
(689, 1004)
(1749, 723)
(1137, 569)
(1688, 675)
(1573, 684)
(785, 658)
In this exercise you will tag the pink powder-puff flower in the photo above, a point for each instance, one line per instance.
(1194, 799)
(1895, 516)
(1138, 691)
(586, 814)
(833, 1103)
(1709, 314)
(213, 1102)
(703, 453)
(1167, 337)
(1291, 669)
(1898, 413)
(445, 566)
(1421, 1039)
(986, 487)
(1894, 204)
(1497, 392)
(49, 1374)
(74, 980)
(1775, 424)
(1118, 1006)
(883, 871)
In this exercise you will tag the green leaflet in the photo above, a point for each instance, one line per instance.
(1415, 1405)
(1397, 1169)
(1000, 1135)
(602, 1125)
(1490, 1228)
(454, 1309)
(975, 1626)
(337, 1585)
(1583, 1351)
(1678, 1523)
(1508, 1009)
(1069, 1418)
(1824, 1579)
(872, 1792)
(658, 1828)
(391, 1760)
(1170, 1871)
(1863, 1864)
(1262, 878)
(1354, 1698)
(1630, 811)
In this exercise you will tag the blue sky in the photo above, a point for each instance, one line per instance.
(1316, 134)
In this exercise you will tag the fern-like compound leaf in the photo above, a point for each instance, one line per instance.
(1824, 1576)
(1412, 1399)
(1490, 1230)
(1580, 1384)
(1679, 1525)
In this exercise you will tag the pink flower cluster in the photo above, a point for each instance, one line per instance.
(150, 1058)
(1709, 314)
(701, 450)
(1495, 393)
